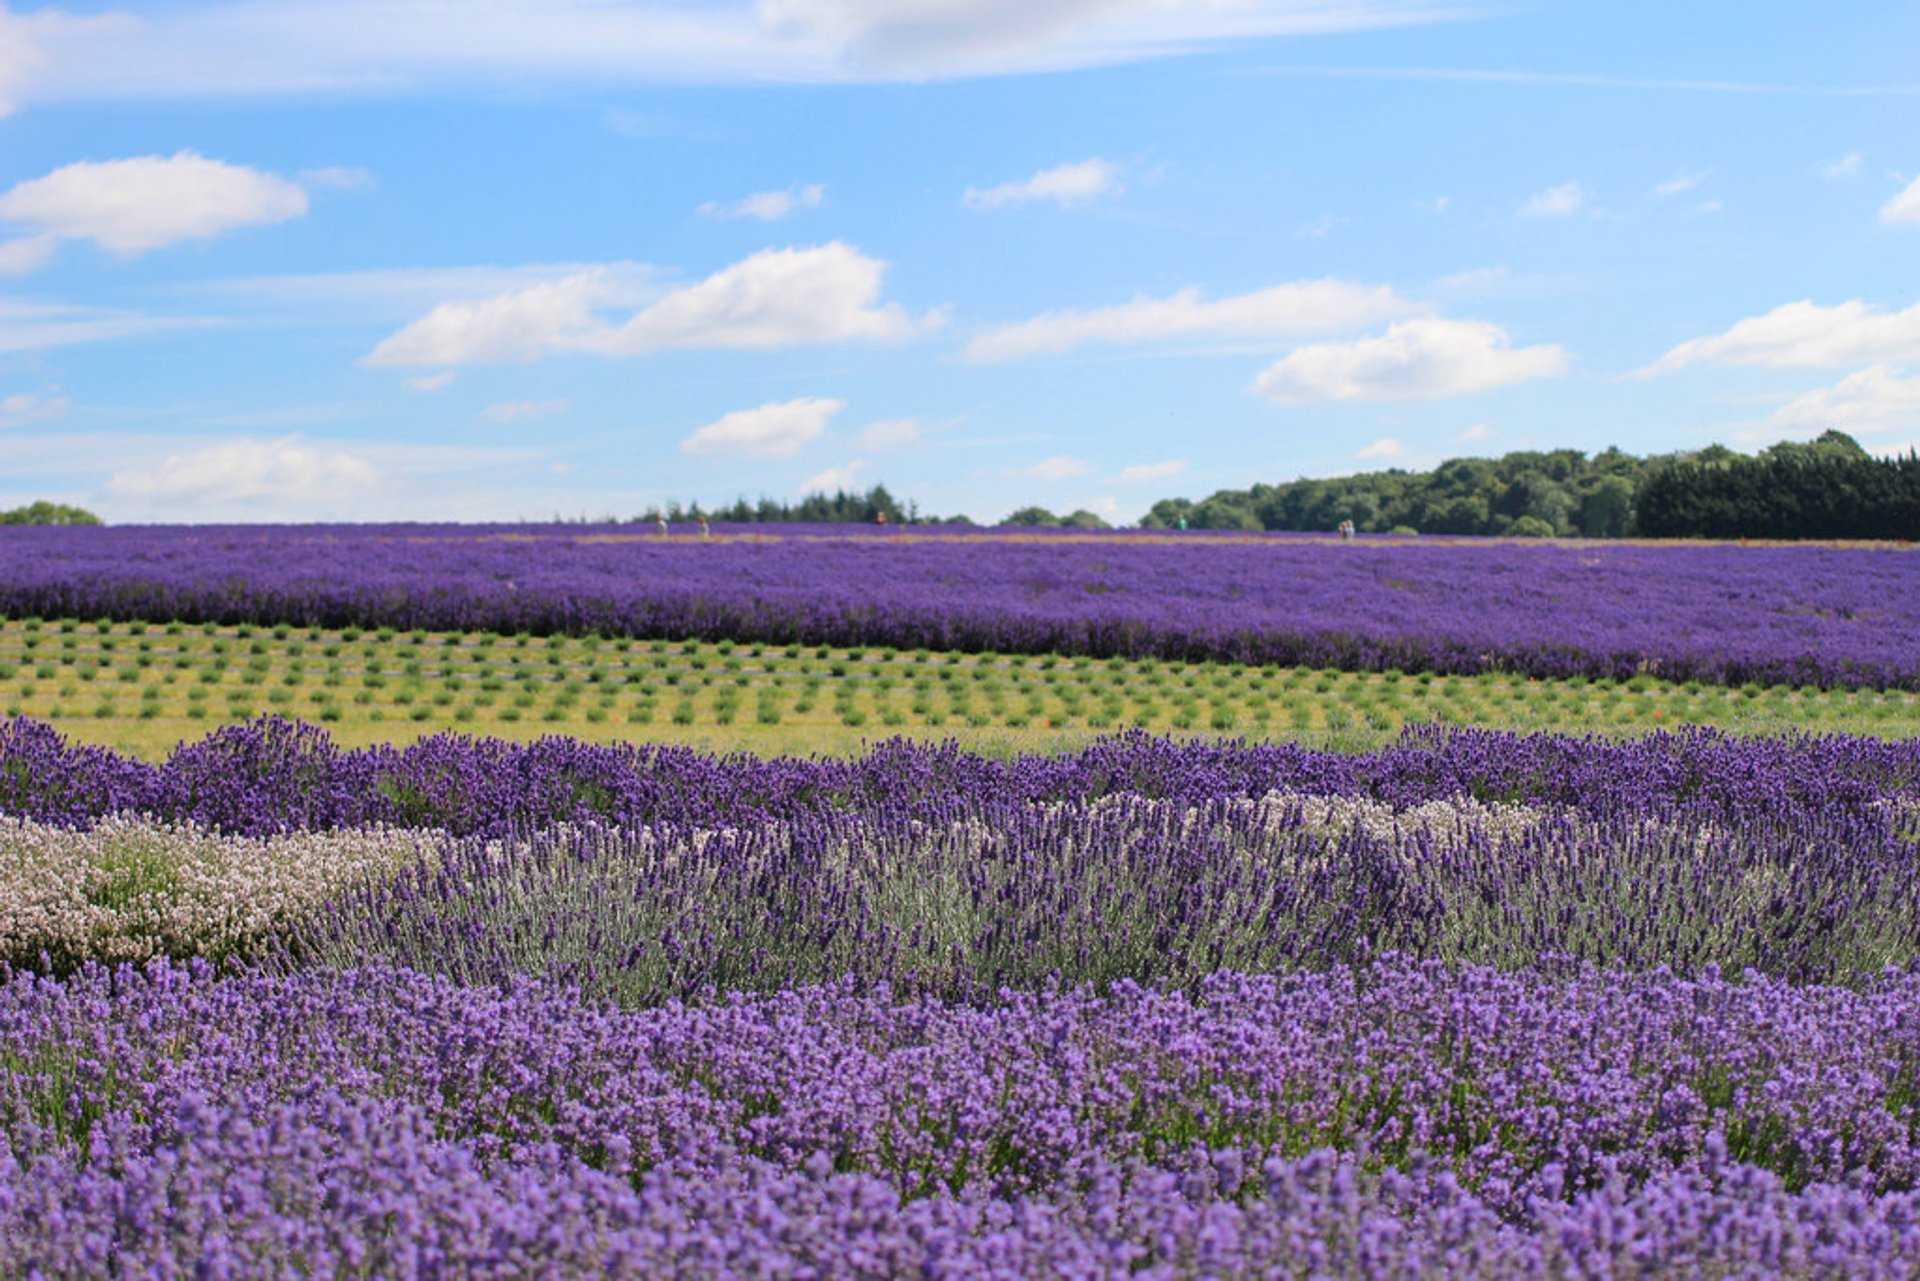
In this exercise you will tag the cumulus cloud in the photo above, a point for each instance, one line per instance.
(508, 411)
(1805, 334)
(249, 471)
(1847, 166)
(147, 202)
(1554, 202)
(1904, 207)
(1385, 447)
(1068, 184)
(1873, 399)
(1420, 359)
(1479, 431)
(432, 382)
(775, 298)
(768, 206)
(26, 407)
(1149, 471)
(778, 429)
(1059, 467)
(1308, 306)
(833, 479)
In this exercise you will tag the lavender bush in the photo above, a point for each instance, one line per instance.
(1407, 1115)
(274, 775)
(1795, 614)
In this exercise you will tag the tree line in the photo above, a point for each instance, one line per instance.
(1825, 488)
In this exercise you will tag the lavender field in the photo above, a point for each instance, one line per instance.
(1796, 615)
(1472, 1003)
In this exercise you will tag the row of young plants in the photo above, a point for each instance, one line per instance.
(66, 670)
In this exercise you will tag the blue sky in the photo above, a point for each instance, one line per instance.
(337, 259)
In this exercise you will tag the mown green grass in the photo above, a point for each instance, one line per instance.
(144, 688)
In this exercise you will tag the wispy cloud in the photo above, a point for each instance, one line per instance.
(1847, 166)
(271, 48)
(1064, 185)
(1574, 80)
(768, 206)
(1554, 202)
(1904, 207)
(1059, 467)
(1300, 307)
(512, 411)
(1805, 334)
(1140, 472)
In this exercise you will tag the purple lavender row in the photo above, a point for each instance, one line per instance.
(274, 775)
(358, 1189)
(1128, 889)
(1539, 1122)
(1799, 614)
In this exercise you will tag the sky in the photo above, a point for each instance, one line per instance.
(267, 260)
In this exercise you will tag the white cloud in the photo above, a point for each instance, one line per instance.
(894, 433)
(32, 326)
(779, 429)
(1149, 471)
(1873, 399)
(1554, 202)
(1065, 185)
(1438, 205)
(1847, 166)
(249, 471)
(1805, 334)
(26, 407)
(1471, 279)
(1308, 306)
(1479, 431)
(775, 298)
(833, 479)
(1421, 359)
(24, 254)
(1708, 207)
(432, 382)
(1059, 467)
(1385, 447)
(147, 202)
(1904, 207)
(340, 178)
(306, 47)
(1679, 184)
(507, 411)
(1320, 227)
(769, 206)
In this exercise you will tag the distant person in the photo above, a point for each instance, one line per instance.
(1346, 531)
(880, 518)
(662, 522)
(706, 530)
(1183, 522)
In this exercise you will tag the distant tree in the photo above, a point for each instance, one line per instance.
(1084, 519)
(1031, 516)
(46, 513)
(1530, 527)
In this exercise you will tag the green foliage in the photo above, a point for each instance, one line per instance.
(839, 507)
(45, 513)
(1826, 488)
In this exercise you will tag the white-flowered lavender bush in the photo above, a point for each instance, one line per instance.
(131, 888)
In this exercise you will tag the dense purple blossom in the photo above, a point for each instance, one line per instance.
(1538, 1124)
(275, 775)
(1798, 614)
